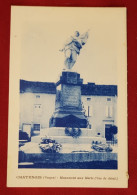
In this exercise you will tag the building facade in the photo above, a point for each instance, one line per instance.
(37, 104)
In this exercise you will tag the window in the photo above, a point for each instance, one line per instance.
(37, 110)
(36, 127)
(88, 99)
(88, 111)
(109, 111)
(108, 99)
(37, 105)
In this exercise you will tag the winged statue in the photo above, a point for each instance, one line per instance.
(72, 48)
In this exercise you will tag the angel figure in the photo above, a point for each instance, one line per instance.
(72, 48)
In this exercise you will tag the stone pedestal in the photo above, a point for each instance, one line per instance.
(87, 136)
(68, 106)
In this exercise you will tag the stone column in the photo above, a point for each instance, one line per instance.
(68, 107)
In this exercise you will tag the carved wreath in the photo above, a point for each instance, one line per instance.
(74, 132)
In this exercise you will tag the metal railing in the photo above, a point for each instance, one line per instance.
(112, 142)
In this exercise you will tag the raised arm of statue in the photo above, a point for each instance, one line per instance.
(72, 48)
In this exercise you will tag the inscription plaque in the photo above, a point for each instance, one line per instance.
(71, 95)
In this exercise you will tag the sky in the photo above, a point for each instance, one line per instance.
(41, 32)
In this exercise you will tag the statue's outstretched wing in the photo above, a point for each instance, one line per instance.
(84, 38)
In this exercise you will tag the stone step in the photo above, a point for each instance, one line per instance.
(71, 140)
(58, 131)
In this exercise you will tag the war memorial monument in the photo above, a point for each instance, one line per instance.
(69, 124)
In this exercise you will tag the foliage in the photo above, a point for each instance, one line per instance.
(49, 145)
(23, 136)
(113, 130)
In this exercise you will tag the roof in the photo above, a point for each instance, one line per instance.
(37, 87)
(50, 88)
(99, 90)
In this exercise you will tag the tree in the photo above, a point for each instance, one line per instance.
(113, 130)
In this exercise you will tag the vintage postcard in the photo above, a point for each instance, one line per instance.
(68, 97)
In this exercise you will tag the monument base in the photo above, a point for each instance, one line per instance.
(74, 150)
(86, 136)
(63, 119)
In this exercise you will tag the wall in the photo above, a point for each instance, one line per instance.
(101, 112)
(38, 108)
(30, 111)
